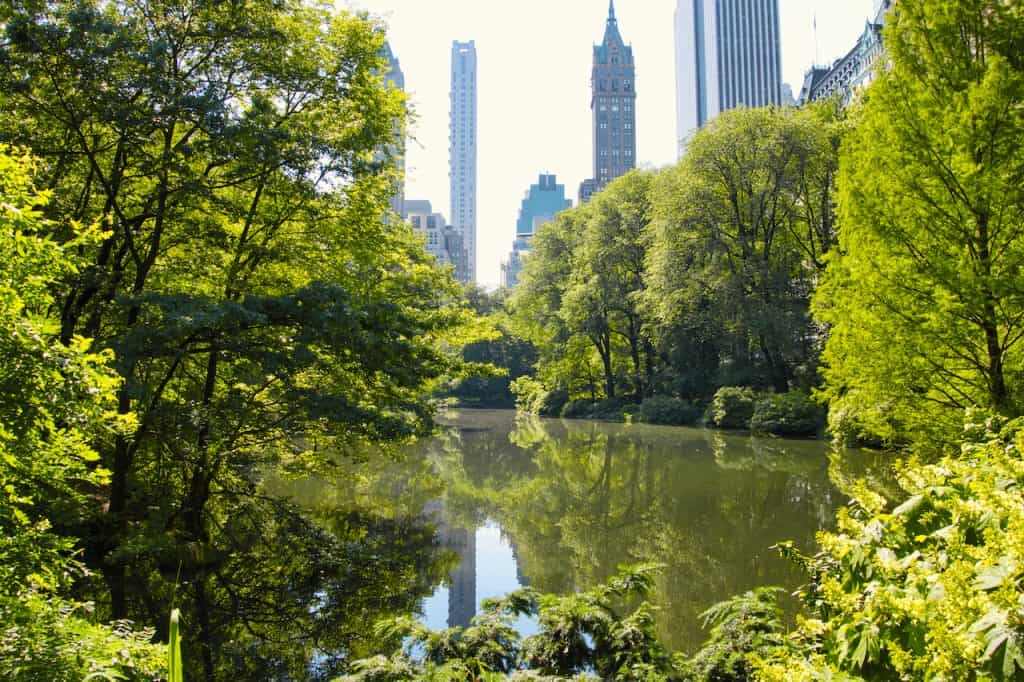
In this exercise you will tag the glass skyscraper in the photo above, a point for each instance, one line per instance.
(462, 159)
(727, 55)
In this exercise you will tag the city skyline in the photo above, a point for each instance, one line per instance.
(534, 89)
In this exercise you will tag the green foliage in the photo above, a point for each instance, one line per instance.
(924, 298)
(694, 278)
(514, 357)
(787, 414)
(930, 589)
(259, 309)
(670, 411)
(740, 629)
(580, 295)
(532, 397)
(741, 231)
(54, 400)
(578, 634)
(174, 664)
(732, 407)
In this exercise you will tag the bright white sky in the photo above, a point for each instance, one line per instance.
(534, 89)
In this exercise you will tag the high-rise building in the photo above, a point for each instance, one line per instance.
(541, 204)
(396, 79)
(727, 55)
(444, 242)
(462, 148)
(613, 109)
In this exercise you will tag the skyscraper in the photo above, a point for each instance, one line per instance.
(727, 55)
(613, 109)
(462, 148)
(542, 203)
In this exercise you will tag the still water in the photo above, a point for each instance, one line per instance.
(558, 505)
(514, 500)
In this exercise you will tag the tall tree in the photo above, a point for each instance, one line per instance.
(926, 303)
(259, 307)
(741, 229)
(614, 258)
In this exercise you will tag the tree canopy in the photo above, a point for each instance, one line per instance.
(924, 300)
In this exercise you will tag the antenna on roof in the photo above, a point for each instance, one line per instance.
(816, 62)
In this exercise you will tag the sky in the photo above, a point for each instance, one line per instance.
(533, 79)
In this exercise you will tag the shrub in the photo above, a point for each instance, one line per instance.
(670, 411)
(578, 409)
(578, 636)
(739, 629)
(787, 414)
(552, 402)
(611, 409)
(932, 589)
(732, 408)
(533, 397)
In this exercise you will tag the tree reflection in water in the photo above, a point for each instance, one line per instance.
(581, 498)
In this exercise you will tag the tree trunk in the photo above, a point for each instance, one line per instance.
(999, 395)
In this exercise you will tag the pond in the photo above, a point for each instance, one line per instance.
(515, 500)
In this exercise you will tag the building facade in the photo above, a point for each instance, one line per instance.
(542, 203)
(728, 54)
(462, 154)
(613, 109)
(396, 79)
(443, 241)
(854, 70)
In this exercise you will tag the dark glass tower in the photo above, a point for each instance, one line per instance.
(613, 109)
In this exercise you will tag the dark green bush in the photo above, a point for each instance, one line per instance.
(552, 403)
(670, 411)
(732, 408)
(578, 409)
(611, 409)
(787, 414)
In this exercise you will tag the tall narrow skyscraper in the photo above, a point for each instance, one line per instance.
(462, 148)
(727, 55)
(613, 109)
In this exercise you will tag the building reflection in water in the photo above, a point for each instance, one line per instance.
(487, 546)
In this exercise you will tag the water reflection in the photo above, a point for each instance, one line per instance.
(498, 501)
(580, 498)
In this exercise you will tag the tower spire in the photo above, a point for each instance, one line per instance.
(611, 11)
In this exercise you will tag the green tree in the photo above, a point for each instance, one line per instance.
(613, 261)
(926, 302)
(260, 309)
(742, 226)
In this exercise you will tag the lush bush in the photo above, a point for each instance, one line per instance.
(670, 411)
(740, 628)
(787, 414)
(552, 402)
(534, 398)
(610, 410)
(578, 409)
(932, 589)
(732, 408)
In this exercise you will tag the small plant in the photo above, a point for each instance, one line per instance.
(174, 664)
